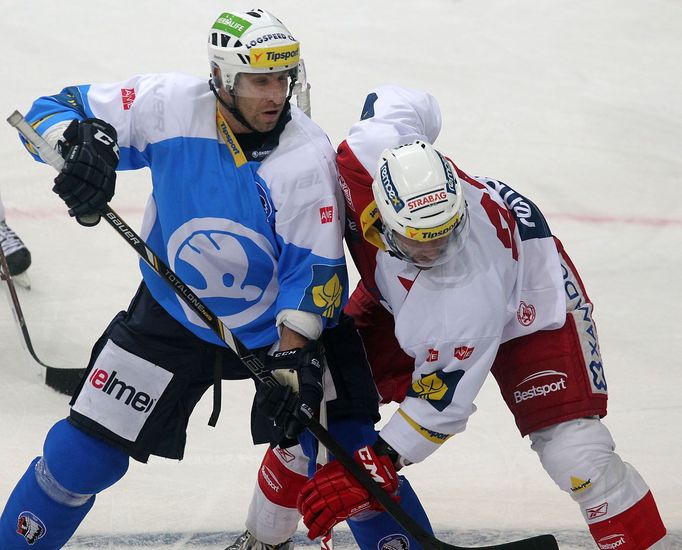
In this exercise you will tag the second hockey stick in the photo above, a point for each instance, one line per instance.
(62, 380)
(16, 309)
(258, 369)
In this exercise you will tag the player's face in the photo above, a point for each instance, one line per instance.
(422, 253)
(260, 98)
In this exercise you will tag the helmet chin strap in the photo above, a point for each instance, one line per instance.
(236, 113)
(231, 108)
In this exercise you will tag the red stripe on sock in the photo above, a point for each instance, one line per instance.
(279, 484)
(637, 528)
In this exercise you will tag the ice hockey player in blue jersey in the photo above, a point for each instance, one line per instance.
(245, 209)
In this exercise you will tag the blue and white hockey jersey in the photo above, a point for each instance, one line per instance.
(250, 238)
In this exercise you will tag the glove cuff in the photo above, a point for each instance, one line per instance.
(382, 448)
(287, 359)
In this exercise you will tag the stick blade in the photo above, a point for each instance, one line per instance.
(540, 542)
(64, 381)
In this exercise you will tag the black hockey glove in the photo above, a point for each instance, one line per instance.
(292, 405)
(88, 179)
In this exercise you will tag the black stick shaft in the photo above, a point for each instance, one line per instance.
(19, 314)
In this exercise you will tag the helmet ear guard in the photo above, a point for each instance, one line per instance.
(424, 216)
(216, 76)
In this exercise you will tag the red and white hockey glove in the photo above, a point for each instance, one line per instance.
(333, 495)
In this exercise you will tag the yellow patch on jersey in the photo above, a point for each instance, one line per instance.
(431, 387)
(328, 296)
(578, 485)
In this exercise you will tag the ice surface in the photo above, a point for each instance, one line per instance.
(576, 104)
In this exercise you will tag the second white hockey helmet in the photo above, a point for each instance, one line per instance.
(423, 211)
(251, 42)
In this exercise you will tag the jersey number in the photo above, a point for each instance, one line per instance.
(503, 221)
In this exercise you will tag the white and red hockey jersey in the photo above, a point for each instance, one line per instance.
(506, 283)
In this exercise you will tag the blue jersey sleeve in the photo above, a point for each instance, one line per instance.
(138, 108)
(312, 283)
(303, 182)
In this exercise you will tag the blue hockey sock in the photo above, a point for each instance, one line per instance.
(32, 519)
(382, 532)
(57, 491)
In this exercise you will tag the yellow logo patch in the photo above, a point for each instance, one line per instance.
(578, 485)
(432, 232)
(274, 56)
(328, 296)
(430, 387)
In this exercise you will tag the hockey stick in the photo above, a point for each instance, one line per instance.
(16, 309)
(258, 369)
(62, 380)
(327, 539)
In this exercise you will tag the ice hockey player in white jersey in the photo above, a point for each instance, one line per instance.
(475, 283)
(246, 209)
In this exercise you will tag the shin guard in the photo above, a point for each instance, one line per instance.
(272, 516)
(80, 462)
(57, 490)
(32, 519)
(615, 501)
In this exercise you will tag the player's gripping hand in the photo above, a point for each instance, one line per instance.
(333, 495)
(88, 179)
(292, 405)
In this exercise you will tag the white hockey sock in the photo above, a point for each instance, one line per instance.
(272, 516)
(615, 501)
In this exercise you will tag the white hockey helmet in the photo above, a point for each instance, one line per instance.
(422, 207)
(251, 42)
